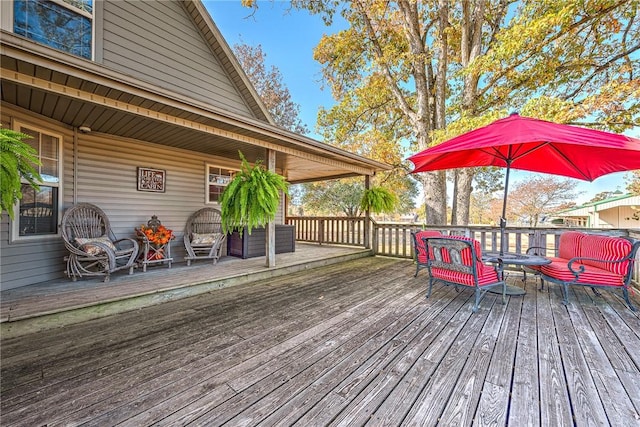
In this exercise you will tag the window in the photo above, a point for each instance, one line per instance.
(66, 25)
(38, 210)
(217, 180)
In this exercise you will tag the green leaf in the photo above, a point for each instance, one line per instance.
(18, 161)
(378, 200)
(251, 199)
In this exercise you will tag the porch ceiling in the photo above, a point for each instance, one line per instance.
(81, 93)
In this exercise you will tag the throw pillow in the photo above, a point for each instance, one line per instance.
(204, 239)
(85, 244)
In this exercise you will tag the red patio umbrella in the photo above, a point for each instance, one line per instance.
(534, 145)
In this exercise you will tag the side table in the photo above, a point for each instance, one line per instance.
(154, 254)
(155, 243)
(510, 258)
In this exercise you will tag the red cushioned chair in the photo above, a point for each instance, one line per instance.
(419, 251)
(457, 260)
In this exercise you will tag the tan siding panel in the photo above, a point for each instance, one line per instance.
(157, 42)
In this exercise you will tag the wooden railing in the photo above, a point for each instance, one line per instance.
(330, 229)
(394, 238)
(389, 238)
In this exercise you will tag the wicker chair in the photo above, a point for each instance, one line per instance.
(203, 236)
(93, 248)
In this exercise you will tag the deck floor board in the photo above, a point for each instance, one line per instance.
(353, 343)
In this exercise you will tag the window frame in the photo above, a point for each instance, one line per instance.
(15, 223)
(207, 183)
(61, 3)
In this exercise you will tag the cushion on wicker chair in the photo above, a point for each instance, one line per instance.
(204, 239)
(85, 244)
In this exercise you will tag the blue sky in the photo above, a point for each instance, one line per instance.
(288, 39)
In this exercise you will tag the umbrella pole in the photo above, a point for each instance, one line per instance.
(503, 219)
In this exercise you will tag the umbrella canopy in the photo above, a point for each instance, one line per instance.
(537, 146)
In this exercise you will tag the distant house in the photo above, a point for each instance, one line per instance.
(138, 107)
(615, 212)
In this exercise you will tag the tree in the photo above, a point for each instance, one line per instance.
(19, 161)
(633, 182)
(270, 87)
(406, 68)
(382, 75)
(538, 196)
(605, 195)
(330, 197)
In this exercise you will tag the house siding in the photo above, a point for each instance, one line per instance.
(156, 41)
(28, 261)
(106, 176)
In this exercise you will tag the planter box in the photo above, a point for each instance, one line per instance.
(253, 245)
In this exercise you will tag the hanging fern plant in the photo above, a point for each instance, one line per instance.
(251, 199)
(378, 200)
(19, 160)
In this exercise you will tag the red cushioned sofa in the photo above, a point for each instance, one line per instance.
(593, 260)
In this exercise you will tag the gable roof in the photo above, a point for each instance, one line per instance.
(221, 49)
(78, 92)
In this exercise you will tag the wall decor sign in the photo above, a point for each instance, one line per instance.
(151, 179)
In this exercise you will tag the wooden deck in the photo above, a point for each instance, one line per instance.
(52, 304)
(353, 343)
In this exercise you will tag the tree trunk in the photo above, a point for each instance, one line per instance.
(470, 49)
(454, 202)
(462, 197)
(434, 186)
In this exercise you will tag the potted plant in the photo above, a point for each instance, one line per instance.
(378, 200)
(251, 199)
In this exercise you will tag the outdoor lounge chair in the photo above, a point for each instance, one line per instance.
(457, 260)
(419, 251)
(93, 248)
(203, 236)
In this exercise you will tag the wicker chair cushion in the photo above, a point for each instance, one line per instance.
(85, 244)
(204, 239)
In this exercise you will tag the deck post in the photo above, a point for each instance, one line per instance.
(270, 230)
(367, 216)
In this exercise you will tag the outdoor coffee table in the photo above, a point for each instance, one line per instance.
(511, 258)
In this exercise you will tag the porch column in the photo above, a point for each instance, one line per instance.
(367, 216)
(270, 231)
(596, 217)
